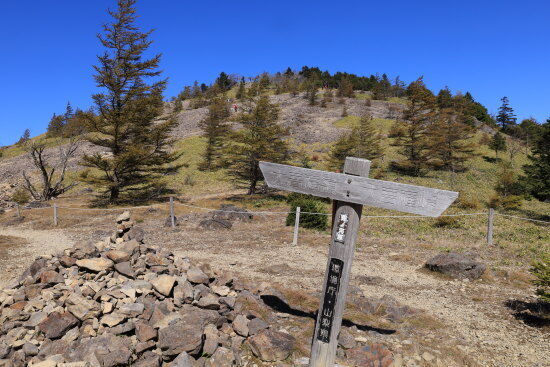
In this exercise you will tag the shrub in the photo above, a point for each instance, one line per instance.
(21, 196)
(307, 203)
(467, 201)
(449, 222)
(541, 270)
(505, 202)
(189, 180)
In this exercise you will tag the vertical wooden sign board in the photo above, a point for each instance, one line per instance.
(350, 191)
(345, 227)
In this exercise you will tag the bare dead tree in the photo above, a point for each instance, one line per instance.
(52, 171)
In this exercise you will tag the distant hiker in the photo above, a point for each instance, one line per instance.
(235, 107)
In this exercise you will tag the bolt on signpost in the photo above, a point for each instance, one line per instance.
(350, 191)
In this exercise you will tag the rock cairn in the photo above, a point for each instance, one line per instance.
(122, 302)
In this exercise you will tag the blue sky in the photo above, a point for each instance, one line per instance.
(490, 48)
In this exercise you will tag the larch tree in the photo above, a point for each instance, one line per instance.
(451, 143)
(498, 143)
(215, 129)
(261, 139)
(131, 100)
(414, 128)
(364, 141)
(56, 126)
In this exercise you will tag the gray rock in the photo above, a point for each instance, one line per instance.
(209, 302)
(4, 350)
(197, 276)
(81, 307)
(132, 309)
(180, 337)
(240, 325)
(231, 213)
(124, 217)
(272, 346)
(215, 224)
(96, 264)
(462, 266)
(256, 325)
(30, 350)
(346, 340)
(125, 268)
(182, 360)
(223, 357)
(136, 233)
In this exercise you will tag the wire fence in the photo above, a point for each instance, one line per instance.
(489, 234)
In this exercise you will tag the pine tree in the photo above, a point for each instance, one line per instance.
(498, 143)
(215, 130)
(261, 139)
(414, 141)
(127, 107)
(537, 173)
(450, 141)
(340, 150)
(506, 118)
(69, 112)
(55, 126)
(25, 137)
(311, 92)
(346, 88)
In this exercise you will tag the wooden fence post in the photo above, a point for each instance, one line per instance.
(172, 218)
(296, 226)
(55, 214)
(490, 227)
(18, 211)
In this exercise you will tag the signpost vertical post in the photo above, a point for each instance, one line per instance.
(490, 226)
(296, 226)
(55, 214)
(18, 211)
(172, 218)
(342, 247)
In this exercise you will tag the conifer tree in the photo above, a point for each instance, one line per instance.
(224, 82)
(25, 137)
(346, 88)
(537, 173)
(127, 107)
(506, 117)
(261, 139)
(450, 141)
(69, 112)
(498, 143)
(241, 91)
(55, 126)
(363, 141)
(445, 98)
(215, 130)
(414, 141)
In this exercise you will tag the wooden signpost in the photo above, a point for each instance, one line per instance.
(350, 191)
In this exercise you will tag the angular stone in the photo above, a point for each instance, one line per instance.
(30, 350)
(67, 261)
(118, 256)
(56, 324)
(272, 346)
(51, 277)
(35, 319)
(112, 319)
(183, 293)
(197, 276)
(124, 217)
(4, 350)
(131, 309)
(223, 357)
(256, 325)
(126, 269)
(46, 363)
(83, 250)
(136, 233)
(180, 337)
(182, 360)
(81, 307)
(210, 302)
(145, 332)
(240, 325)
(106, 350)
(129, 246)
(346, 340)
(164, 284)
(97, 264)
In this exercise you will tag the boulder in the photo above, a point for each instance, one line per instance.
(118, 256)
(180, 337)
(124, 217)
(215, 224)
(136, 233)
(256, 325)
(232, 213)
(461, 266)
(240, 325)
(83, 250)
(272, 346)
(197, 276)
(96, 265)
(56, 324)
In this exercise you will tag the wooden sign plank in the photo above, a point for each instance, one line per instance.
(359, 190)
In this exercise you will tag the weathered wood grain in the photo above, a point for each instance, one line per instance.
(359, 190)
(345, 227)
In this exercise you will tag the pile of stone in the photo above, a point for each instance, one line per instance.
(122, 302)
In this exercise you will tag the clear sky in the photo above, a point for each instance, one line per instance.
(491, 48)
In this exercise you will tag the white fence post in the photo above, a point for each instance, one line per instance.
(296, 226)
(490, 226)
(172, 218)
(55, 214)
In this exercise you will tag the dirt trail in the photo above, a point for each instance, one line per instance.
(39, 243)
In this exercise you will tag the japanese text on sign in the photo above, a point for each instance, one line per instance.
(335, 269)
